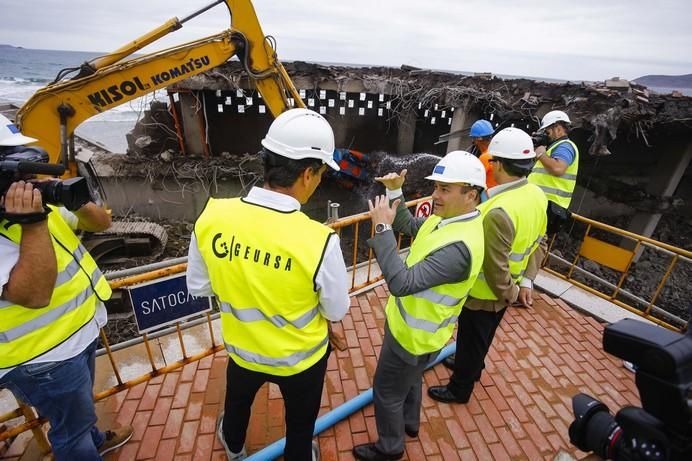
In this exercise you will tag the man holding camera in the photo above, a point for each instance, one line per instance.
(514, 222)
(556, 170)
(51, 309)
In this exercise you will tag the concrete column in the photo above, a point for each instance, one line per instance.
(663, 182)
(460, 121)
(406, 133)
(190, 121)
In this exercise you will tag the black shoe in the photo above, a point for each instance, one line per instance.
(443, 394)
(449, 362)
(368, 452)
(413, 433)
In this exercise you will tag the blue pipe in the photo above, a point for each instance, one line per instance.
(343, 411)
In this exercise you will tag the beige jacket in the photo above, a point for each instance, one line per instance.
(499, 235)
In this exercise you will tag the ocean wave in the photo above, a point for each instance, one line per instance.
(22, 80)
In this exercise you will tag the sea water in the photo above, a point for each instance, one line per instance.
(23, 71)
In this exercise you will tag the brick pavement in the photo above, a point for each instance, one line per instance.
(521, 410)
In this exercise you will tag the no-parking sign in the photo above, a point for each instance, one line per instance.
(424, 209)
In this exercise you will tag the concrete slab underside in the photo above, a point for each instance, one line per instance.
(521, 410)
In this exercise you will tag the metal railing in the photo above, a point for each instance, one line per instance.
(616, 260)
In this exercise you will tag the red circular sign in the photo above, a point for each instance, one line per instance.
(424, 209)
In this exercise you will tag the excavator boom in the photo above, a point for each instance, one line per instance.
(53, 113)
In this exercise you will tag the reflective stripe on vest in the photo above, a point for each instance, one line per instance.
(28, 333)
(520, 256)
(423, 322)
(254, 314)
(66, 274)
(559, 189)
(46, 319)
(274, 362)
(525, 205)
(437, 298)
(262, 265)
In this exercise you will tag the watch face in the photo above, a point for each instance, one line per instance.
(379, 227)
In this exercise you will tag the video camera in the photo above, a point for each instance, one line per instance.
(540, 138)
(19, 162)
(662, 429)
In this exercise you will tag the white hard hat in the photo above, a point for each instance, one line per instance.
(301, 133)
(513, 144)
(10, 134)
(554, 116)
(459, 167)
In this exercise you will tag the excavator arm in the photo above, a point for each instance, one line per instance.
(53, 113)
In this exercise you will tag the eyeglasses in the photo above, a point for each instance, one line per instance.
(493, 160)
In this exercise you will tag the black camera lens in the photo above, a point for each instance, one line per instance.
(594, 428)
(71, 193)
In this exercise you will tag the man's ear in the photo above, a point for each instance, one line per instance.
(307, 175)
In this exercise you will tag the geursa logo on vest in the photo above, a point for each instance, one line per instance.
(223, 249)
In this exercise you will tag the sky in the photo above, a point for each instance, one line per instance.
(569, 40)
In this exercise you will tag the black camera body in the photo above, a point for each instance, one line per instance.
(22, 161)
(540, 138)
(662, 429)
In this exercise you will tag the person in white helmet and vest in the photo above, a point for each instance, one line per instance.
(51, 308)
(557, 167)
(514, 222)
(279, 277)
(427, 290)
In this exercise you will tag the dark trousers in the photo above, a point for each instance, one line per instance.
(474, 337)
(302, 394)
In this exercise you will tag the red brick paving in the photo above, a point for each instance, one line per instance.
(519, 411)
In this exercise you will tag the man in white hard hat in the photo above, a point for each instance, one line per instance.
(557, 167)
(279, 277)
(514, 222)
(51, 308)
(427, 290)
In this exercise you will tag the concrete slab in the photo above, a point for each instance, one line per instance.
(582, 300)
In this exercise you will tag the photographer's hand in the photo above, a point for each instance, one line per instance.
(23, 198)
(540, 151)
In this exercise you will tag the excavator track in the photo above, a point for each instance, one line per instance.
(126, 239)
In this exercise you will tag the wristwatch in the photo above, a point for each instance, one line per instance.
(382, 227)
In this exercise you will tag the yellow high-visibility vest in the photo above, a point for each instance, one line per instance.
(559, 189)
(262, 265)
(423, 322)
(526, 208)
(27, 333)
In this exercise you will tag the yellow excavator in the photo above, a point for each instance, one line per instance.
(53, 113)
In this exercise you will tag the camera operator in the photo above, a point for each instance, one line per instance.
(557, 165)
(51, 309)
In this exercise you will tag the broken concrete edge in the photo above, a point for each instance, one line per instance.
(604, 111)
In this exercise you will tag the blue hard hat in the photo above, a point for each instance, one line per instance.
(481, 129)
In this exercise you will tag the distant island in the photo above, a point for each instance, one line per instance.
(666, 81)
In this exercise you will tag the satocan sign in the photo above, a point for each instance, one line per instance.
(164, 301)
